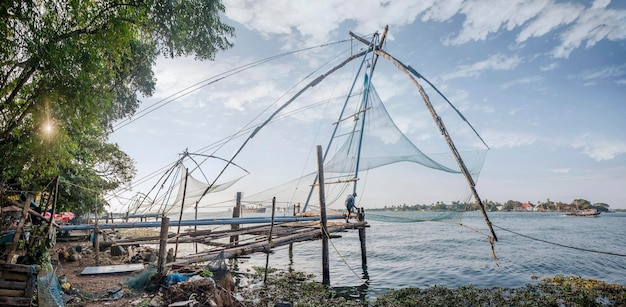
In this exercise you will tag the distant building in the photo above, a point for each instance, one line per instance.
(523, 207)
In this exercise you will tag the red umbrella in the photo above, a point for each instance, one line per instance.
(61, 217)
(66, 216)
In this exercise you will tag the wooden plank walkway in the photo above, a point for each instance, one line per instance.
(257, 239)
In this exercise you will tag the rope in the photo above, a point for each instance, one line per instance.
(561, 245)
(343, 259)
(195, 87)
(513, 232)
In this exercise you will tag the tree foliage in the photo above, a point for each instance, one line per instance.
(69, 69)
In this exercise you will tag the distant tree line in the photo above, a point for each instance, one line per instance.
(510, 205)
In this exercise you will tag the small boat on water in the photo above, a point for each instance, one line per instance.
(585, 213)
(257, 208)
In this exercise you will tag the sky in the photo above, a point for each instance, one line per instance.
(542, 82)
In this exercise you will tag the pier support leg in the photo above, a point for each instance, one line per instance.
(165, 223)
(361, 218)
(325, 257)
(234, 239)
(269, 241)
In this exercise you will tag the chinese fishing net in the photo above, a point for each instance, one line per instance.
(382, 143)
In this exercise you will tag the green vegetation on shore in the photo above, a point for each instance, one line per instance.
(297, 289)
(510, 205)
(70, 71)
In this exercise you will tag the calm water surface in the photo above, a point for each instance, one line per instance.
(423, 254)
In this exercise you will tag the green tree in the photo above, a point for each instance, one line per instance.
(602, 207)
(580, 204)
(70, 69)
(510, 205)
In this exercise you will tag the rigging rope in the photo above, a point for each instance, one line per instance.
(508, 230)
(561, 245)
(192, 88)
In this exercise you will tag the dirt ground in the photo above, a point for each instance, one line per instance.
(98, 286)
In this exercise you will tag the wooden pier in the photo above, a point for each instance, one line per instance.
(282, 234)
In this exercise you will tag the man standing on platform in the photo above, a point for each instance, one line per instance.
(350, 205)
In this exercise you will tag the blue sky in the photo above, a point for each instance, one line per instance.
(543, 82)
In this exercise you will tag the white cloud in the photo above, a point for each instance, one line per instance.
(598, 147)
(514, 111)
(317, 21)
(503, 139)
(486, 17)
(549, 67)
(591, 76)
(560, 170)
(442, 10)
(549, 18)
(494, 62)
(592, 26)
(264, 91)
(521, 81)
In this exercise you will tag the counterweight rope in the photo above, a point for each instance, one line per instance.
(513, 232)
(561, 245)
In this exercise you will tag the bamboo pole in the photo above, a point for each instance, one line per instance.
(234, 239)
(165, 222)
(96, 237)
(324, 231)
(361, 218)
(182, 207)
(269, 239)
(313, 234)
(18, 232)
(442, 129)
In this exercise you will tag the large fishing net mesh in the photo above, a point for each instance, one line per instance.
(382, 143)
(366, 138)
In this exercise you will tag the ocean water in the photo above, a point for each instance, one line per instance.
(405, 251)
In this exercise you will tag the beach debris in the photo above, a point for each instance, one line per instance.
(184, 303)
(141, 280)
(205, 292)
(117, 250)
(68, 253)
(174, 278)
(107, 269)
(141, 254)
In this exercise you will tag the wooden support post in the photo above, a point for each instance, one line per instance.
(18, 232)
(361, 218)
(234, 239)
(96, 242)
(182, 208)
(325, 257)
(291, 244)
(96, 233)
(165, 223)
(269, 240)
(195, 227)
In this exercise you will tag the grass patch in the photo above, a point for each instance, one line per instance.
(299, 289)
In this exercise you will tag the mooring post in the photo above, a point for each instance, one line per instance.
(96, 238)
(182, 208)
(234, 239)
(165, 223)
(269, 240)
(320, 170)
(291, 244)
(361, 218)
